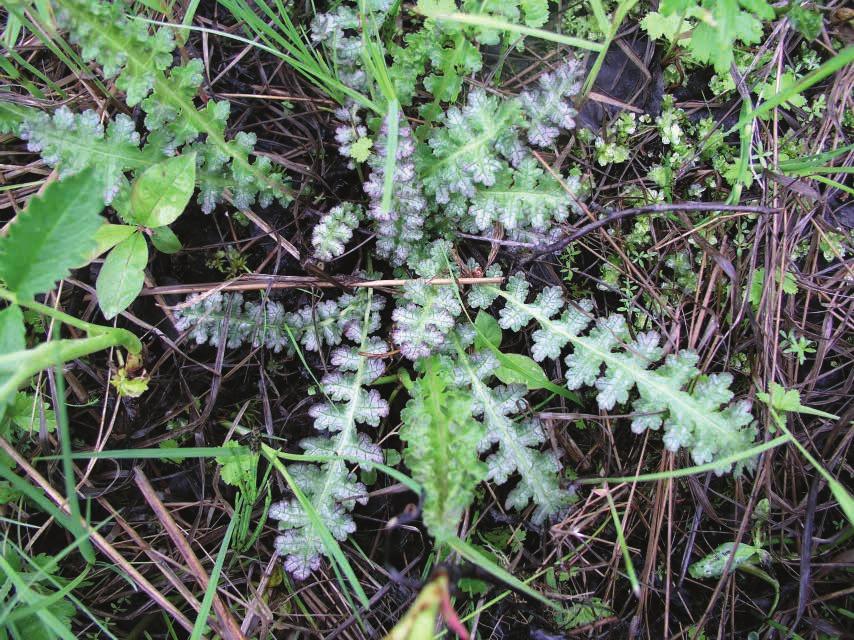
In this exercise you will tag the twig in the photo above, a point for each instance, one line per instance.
(561, 244)
(97, 539)
(229, 627)
(254, 283)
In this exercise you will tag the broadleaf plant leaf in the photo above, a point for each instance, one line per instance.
(488, 331)
(52, 235)
(163, 191)
(122, 275)
(165, 240)
(518, 368)
(106, 237)
(13, 337)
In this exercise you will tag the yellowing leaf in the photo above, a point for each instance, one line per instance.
(361, 149)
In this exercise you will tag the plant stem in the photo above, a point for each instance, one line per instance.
(118, 337)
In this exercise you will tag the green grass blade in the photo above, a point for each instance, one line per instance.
(489, 22)
(29, 596)
(692, 471)
(476, 557)
(333, 549)
(86, 549)
(611, 31)
(624, 547)
(213, 581)
(837, 62)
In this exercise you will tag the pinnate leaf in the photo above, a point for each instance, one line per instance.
(52, 235)
(442, 447)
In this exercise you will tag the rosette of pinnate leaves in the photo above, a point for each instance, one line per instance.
(331, 487)
(512, 437)
(140, 58)
(695, 410)
(475, 172)
(210, 318)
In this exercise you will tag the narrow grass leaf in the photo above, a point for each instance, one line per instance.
(213, 580)
(476, 557)
(488, 22)
(333, 549)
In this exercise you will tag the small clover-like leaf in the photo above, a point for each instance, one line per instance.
(360, 150)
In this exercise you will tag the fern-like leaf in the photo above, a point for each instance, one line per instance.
(695, 410)
(331, 486)
(218, 316)
(425, 319)
(73, 142)
(139, 59)
(442, 440)
(334, 230)
(517, 440)
(548, 108)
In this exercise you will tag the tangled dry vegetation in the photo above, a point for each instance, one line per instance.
(353, 387)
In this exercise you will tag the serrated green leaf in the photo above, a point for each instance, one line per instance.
(536, 12)
(518, 368)
(25, 413)
(488, 331)
(122, 276)
(13, 333)
(163, 191)
(806, 21)
(165, 240)
(660, 26)
(789, 401)
(238, 469)
(53, 234)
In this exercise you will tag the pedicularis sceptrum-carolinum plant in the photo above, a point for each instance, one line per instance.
(468, 419)
(473, 166)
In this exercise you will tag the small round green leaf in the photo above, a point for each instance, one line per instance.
(122, 275)
(488, 331)
(162, 192)
(165, 240)
(516, 368)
